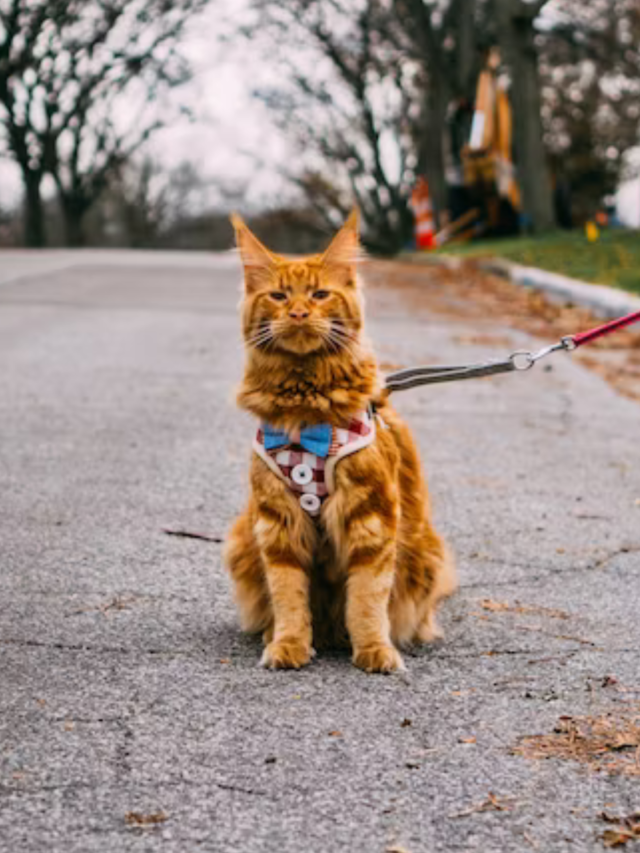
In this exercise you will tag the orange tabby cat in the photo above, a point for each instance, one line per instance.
(336, 544)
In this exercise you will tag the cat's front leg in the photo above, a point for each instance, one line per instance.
(289, 644)
(371, 569)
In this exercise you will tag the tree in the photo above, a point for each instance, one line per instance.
(21, 27)
(445, 45)
(590, 71)
(77, 62)
(350, 108)
(516, 36)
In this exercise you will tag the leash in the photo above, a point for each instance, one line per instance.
(520, 360)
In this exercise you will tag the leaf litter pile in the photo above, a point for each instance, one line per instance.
(609, 743)
(471, 292)
(625, 829)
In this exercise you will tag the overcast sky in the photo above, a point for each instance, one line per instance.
(234, 142)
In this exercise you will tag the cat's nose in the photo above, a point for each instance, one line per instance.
(299, 314)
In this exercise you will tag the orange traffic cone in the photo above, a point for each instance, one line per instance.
(425, 231)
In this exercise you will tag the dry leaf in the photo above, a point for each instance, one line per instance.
(494, 606)
(145, 820)
(406, 722)
(395, 848)
(617, 837)
(517, 607)
(466, 740)
(225, 660)
(627, 829)
(491, 804)
(335, 733)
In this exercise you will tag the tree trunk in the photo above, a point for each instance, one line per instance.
(34, 230)
(73, 211)
(431, 161)
(516, 36)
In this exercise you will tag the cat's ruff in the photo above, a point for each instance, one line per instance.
(310, 475)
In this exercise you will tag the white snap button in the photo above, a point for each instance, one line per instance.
(301, 474)
(310, 503)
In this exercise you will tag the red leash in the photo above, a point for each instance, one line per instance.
(599, 331)
(411, 377)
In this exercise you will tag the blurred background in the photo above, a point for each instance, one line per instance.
(142, 123)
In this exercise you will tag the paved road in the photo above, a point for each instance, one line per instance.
(125, 686)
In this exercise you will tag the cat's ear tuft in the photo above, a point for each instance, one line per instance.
(342, 255)
(257, 260)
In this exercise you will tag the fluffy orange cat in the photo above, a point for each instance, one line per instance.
(336, 544)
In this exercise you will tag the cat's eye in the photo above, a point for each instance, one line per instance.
(278, 296)
(321, 294)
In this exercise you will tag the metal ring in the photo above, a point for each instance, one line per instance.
(522, 360)
(569, 343)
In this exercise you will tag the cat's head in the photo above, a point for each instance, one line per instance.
(303, 305)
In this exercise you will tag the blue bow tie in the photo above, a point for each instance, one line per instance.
(315, 439)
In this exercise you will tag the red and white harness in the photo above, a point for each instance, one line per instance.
(310, 476)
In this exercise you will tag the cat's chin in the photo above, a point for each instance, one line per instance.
(300, 343)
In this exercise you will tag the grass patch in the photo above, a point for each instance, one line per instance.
(614, 259)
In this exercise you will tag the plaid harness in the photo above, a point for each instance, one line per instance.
(310, 476)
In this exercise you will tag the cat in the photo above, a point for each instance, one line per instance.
(336, 546)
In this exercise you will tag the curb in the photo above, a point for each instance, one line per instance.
(603, 301)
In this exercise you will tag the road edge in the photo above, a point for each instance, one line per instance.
(601, 300)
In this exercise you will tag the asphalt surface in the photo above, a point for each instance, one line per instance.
(126, 687)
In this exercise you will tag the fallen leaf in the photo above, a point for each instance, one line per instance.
(395, 848)
(494, 606)
(466, 740)
(225, 660)
(406, 722)
(335, 733)
(412, 765)
(491, 804)
(69, 726)
(609, 680)
(617, 837)
(627, 829)
(145, 820)
(517, 607)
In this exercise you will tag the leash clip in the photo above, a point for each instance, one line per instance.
(524, 360)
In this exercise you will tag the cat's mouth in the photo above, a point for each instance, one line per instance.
(301, 339)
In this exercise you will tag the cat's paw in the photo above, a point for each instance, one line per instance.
(286, 654)
(379, 659)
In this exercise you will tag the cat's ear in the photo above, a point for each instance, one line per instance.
(257, 260)
(342, 255)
